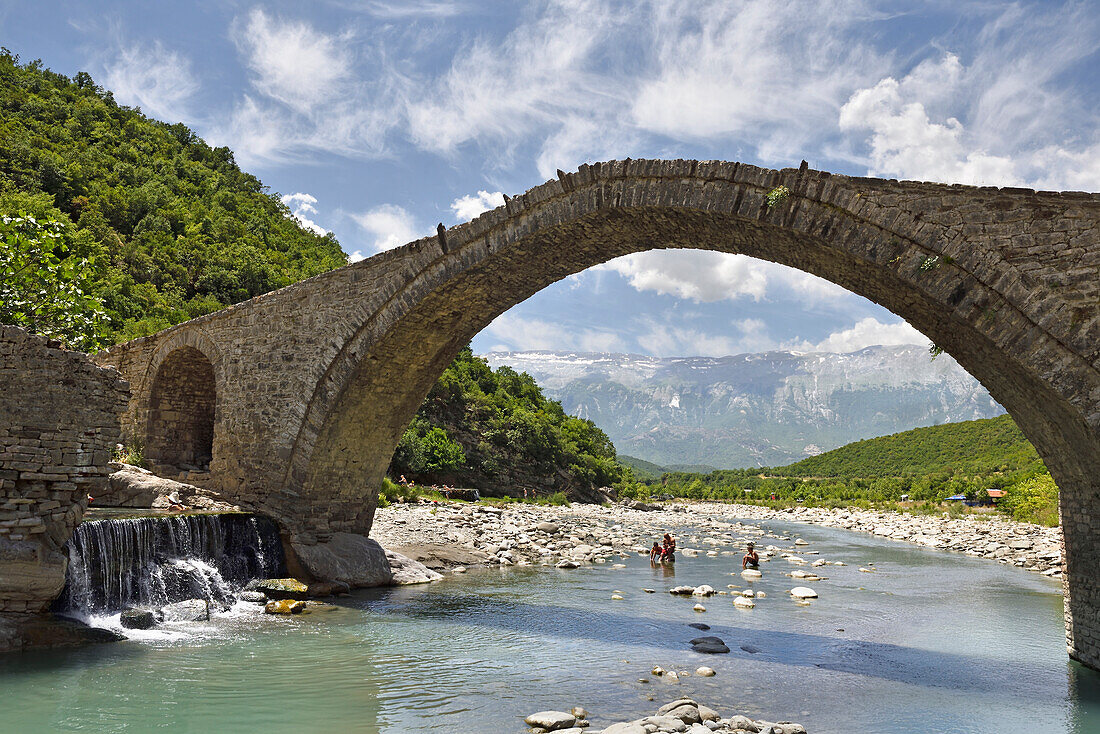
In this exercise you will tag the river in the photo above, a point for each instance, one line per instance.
(929, 642)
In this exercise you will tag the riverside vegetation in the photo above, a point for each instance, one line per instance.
(913, 471)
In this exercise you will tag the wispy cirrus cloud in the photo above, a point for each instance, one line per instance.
(157, 79)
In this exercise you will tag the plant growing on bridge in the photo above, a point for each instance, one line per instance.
(46, 283)
(777, 196)
(929, 263)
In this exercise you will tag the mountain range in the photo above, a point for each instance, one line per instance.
(762, 409)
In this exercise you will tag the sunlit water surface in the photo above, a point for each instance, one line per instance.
(931, 642)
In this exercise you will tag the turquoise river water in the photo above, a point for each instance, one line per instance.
(931, 642)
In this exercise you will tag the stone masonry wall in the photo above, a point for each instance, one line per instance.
(59, 421)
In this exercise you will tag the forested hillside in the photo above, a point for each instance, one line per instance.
(165, 227)
(968, 448)
(494, 430)
(925, 466)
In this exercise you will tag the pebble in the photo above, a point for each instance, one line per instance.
(705, 672)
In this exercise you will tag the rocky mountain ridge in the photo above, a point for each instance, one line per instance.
(763, 409)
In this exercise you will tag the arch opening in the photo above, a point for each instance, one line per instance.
(182, 404)
(410, 345)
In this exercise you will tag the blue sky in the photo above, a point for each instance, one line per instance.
(376, 120)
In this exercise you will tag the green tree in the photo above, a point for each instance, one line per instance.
(45, 286)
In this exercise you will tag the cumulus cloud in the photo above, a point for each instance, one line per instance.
(302, 205)
(1012, 114)
(155, 78)
(904, 142)
(869, 332)
(467, 207)
(705, 276)
(389, 226)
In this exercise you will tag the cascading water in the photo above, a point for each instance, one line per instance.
(153, 561)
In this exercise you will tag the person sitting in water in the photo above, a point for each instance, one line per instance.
(669, 549)
(751, 560)
(655, 552)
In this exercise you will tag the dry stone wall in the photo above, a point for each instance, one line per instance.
(59, 422)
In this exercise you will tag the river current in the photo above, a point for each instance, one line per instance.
(929, 642)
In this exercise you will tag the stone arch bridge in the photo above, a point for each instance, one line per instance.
(293, 402)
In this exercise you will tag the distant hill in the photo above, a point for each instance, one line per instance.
(747, 410)
(968, 448)
(642, 469)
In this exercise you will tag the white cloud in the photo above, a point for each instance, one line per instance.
(293, 62)
(517, 333)
(301, 206)
(770, 73)
(308, 95)
(506, 92)
(158, 80)
(869, 332)
(579, 139)
(389, 226)
(906, 143)
(1014, 113)
(705, 276)
(469, 206)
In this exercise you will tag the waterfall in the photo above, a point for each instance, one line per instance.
(153, 561)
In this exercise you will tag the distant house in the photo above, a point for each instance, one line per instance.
(993, 496)
(957, 498)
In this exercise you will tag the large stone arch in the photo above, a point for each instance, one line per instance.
(938, 279)
(316, 382)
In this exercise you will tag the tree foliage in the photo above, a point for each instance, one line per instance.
(170, 228)
(924, 465)
(46, 282)
(496, 431)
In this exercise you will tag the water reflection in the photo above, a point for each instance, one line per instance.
(1084, 693)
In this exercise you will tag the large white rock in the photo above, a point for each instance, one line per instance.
(803, 592)
(751, 573)
(744, 602)
(551, 720)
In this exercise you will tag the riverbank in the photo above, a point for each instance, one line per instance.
(1032, 547)
(447, 535)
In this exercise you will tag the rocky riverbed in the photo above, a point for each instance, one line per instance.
(457, 535)
(681, 715)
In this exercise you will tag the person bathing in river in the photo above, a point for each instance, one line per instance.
(655, 552)
(668, 552)
(750, 560)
